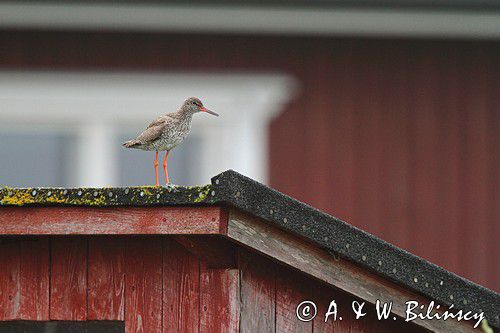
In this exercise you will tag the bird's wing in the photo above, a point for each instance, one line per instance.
(154, 130)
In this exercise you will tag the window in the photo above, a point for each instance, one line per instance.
(66, 128)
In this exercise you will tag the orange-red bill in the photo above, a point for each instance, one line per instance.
(203, 109)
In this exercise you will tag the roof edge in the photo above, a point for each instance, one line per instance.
(357, 246)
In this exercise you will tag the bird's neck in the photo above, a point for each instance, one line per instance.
(184, 115)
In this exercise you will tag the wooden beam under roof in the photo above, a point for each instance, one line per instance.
(333, 270)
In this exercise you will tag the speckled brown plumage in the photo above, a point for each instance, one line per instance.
(168, 131)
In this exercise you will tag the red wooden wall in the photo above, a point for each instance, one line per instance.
(155, 285)
(399, 137)
(151, 283)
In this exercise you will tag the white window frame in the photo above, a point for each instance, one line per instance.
(96, 106)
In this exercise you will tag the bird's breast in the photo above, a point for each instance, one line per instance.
(173, 136)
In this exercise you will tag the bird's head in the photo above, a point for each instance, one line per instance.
(193, 105)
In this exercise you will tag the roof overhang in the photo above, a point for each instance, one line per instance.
(252, 215)
(394, 21)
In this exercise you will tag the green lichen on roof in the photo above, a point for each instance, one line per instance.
(114, 196)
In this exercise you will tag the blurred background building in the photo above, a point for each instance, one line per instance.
(383, 113)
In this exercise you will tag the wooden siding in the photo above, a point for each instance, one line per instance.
(136, 279)
(398, 137)
(63, 220)
(154, 284)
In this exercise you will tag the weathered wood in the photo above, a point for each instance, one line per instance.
(111, 221)
(68, 279)
(313, 261)
(143, 284)
(258, 293)
(291, 289)
(322, 296)
(24, 279)
(219, 306)
(181, 289)
(34, 265)
(9, 280)
(215, 251)
(106, 278)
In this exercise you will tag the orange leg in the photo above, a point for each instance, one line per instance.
(156, 169)
(165, 168)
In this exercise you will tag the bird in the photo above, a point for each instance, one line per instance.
(167, 132)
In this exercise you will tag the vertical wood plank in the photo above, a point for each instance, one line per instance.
(394, 175)
(24, 279)
(450, 177)
(181, 289)
(143, 285)
(10, 279)
(34, 269)
(258, 293)
(476, 159)
(106, 278)
(68, 279)
(493, 272)
(317, 128)
(425, 163)
(219, 306)
(291, 289)
(341, 150)
(367, 111)
(322, 296)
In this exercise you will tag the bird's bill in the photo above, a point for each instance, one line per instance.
(203, 109)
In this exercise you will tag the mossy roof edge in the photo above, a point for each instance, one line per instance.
(111, 196)
(327, 232)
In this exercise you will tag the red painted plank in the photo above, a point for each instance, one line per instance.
(367, 110)
(181, 289)
(258, 293)
(111, 221)
(317, 129)
(9, 279)
(68, 279)
(477, 160)
(291, 289)
(425, 161)
(34, 265)
(341, 150)
(106, 278)
(219, 306)
(346, 321)
(450, 178)
(24, 279)
(493, 281)
(322, 297)
(143, 284)
(395, 162)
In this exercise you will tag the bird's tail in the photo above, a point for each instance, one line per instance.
(130, 143)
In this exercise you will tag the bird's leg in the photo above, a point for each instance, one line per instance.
(156, 169)
(165, 168)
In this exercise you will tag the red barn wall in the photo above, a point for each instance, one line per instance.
(155, 285)
(151, 283)
(398, 137)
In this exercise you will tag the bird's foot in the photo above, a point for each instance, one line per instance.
(171, 187)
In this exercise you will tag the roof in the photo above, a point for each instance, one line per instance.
(337, 237)
(398, 4)
(471, 19)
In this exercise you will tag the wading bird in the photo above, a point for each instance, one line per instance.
(168, 131)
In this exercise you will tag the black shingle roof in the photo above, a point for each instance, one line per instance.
(336, 236)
